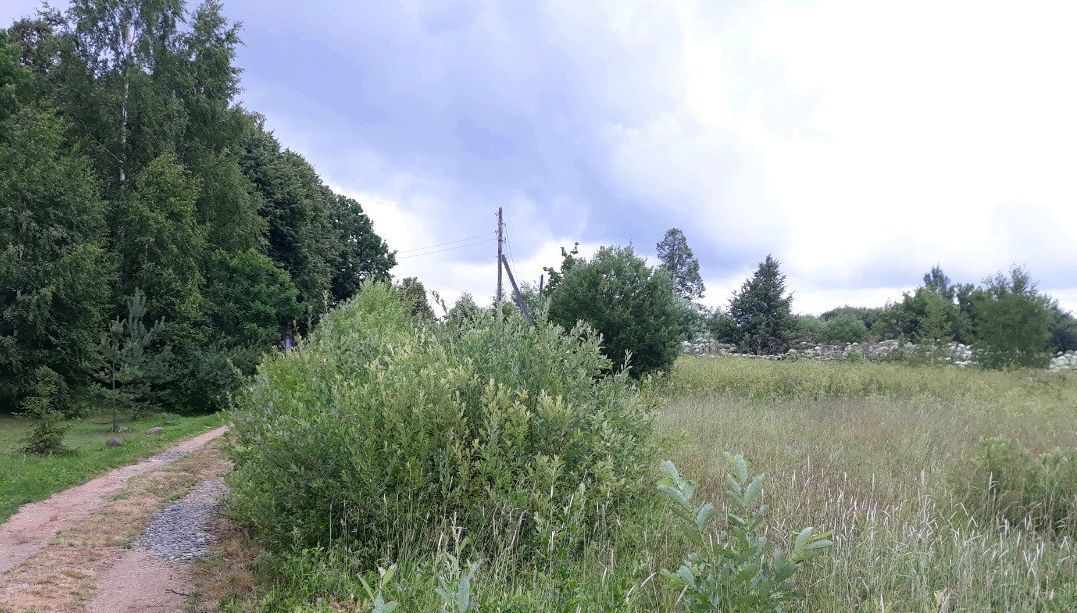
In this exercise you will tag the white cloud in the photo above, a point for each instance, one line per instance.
(863, 142)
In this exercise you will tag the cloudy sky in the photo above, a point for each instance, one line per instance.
(859, 142)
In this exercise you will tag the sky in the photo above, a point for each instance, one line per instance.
(858, 142)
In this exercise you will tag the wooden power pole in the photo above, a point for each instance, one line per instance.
(500, 257)
(518, 295)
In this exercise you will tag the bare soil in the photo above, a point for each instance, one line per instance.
(69, 553)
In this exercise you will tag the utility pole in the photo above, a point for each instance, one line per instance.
(518, 295)
(500, 257)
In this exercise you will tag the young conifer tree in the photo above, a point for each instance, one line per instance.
(762, 311)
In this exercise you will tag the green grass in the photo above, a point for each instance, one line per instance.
(881, 454)
(27, 478)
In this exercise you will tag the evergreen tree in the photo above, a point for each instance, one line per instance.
(55, 274)
(42, 405)
(934, 326)
(631, 305)
(681, 264)
(131, 364)
(762, 312)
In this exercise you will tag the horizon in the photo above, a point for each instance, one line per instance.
(819, 133)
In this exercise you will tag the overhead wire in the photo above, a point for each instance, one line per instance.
(459, 240)
(444, 249)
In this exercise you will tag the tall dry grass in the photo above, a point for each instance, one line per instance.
(882, 455)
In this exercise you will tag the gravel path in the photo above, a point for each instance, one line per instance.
(181, 530)
(154, 575)
(34, 525)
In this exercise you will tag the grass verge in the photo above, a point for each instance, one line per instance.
(27, 478)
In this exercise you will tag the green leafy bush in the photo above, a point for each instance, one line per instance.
(628, 303)
(738, 570)
(808, 329)
(380, 432)
(845, 328)
(1013, 323)
(722, 327)
(1026, 490)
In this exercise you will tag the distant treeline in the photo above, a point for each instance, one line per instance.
(128, 168)
(1006, 319)
(645, 313)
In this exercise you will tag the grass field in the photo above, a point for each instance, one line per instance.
(25, 478)
(881, 454)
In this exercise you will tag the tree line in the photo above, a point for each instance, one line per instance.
(645, 313)
(155, 237)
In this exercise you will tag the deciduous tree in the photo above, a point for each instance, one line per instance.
(631, 305)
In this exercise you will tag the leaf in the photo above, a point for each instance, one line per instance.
(754, 490)
(670, 469)
(687, 576)
(704, 516)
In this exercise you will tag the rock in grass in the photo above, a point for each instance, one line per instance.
(112, 441)
(155, 430)
(123, 430)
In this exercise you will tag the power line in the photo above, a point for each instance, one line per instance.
(415, 255)
(459, 240)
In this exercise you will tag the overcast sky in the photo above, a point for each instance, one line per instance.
(859, 142)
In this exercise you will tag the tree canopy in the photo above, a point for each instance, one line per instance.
(129, 167)
(626, 301)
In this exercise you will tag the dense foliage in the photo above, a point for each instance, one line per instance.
(129, 167)
(1006, 319)
(628, 303)
(761, 312)
(379, 431)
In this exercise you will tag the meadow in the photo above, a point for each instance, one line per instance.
(366, 480)
(27, 478)
(884, 456)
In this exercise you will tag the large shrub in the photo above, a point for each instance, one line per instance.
(1013, 323)
(630, 304)
(845, 328)
(378, 432)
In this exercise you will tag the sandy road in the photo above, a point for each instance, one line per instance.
(57, 554)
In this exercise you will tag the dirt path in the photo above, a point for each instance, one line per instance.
(69, 553)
